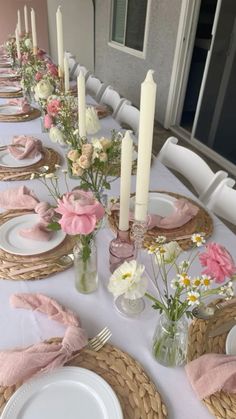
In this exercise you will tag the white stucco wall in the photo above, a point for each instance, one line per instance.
(126, 72)
(78, 29)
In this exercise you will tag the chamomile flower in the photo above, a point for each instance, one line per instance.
(183, 266)
(196, 282)
(32, 176)
(174, 283)
(193, 298)
(185, 280)
(49, 175)
(198, 239)
(227, 290)
(161, 239)
(206, 282)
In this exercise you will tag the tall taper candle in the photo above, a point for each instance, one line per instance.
(34, 32)
(19, 22)
(17, 42)
(60, 47)
(26, 19)
(81, 104)
(146, 122)
(66, 75)
(125, 180)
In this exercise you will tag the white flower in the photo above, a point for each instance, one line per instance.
(193, 298)
(32, 176)
(198, 239)
(183, 266)
(184, 280)
(227, 290)
(174, 283)
(128, 279)
(43, 89)
(97, 144)
(160, 239)
(28, 43)
(168, 252)
(197, 282)
(206, 282)
(56, 135)
(49, 175)
(57, 166)
(92, 121)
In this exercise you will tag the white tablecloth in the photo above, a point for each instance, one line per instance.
(134, 335)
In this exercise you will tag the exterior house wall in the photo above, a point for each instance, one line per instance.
(125, 72)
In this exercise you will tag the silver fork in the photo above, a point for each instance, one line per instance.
(99, 340)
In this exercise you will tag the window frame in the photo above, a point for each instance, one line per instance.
(123, 47)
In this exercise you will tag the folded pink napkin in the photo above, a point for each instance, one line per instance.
(10, 83)
(211, 373)
(103, 111)
(184, 212)
(20, 364)
(22, 103)
(24, 198)
(29, 147)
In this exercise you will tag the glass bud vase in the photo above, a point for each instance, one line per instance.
(170, 341)
(129, 307)
(86, 275)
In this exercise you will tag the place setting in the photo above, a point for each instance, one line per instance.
(18, 110)
(25, 156)
(10, 89)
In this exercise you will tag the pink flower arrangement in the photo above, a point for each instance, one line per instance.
(38, 76)
(48, 122)
(52, 68)
(53, 107)
(218, 262)
(80, 212)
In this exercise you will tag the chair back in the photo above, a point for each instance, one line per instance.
(95, 87)
(128, 116)
(223, 200)
(192, 167)
(111, 98)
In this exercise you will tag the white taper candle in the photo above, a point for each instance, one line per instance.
(34, 32)
(66, 75)
(60, 47)
(147, 111)
(26, 19)
(81, 104)
(17, 42)
(125, 180)
(19, 22)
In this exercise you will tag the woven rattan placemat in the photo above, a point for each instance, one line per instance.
(50, 158)
(38, 266)
(138, 396)
(202, 222)
(9, 95)
(221, 405)
(32, 114)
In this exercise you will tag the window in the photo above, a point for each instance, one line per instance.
(129, 21)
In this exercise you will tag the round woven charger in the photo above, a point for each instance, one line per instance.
(202, 222)
(50, 158)
(32, 114)
(138, 396)
(221, 405)
(50, 261)
(11, 94)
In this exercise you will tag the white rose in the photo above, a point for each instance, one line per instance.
(92, 121)
(43, 89)
(171, 252)
(56, 135)
(28, 43)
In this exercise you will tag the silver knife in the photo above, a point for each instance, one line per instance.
(223, 328)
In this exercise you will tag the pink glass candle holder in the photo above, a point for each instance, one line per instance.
(121, 249)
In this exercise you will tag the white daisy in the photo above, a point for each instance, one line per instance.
(185, 280)
(193, 298)
(198, 239)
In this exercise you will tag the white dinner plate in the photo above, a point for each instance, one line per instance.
(6, 110)
(230, 344)
(158, 204)
(68, 392)
(12, 242)
(6, 75)
(10, 89)
(7, 160)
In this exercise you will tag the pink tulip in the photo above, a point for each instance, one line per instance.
(48, 122)
(53, 107)
(80, 212)
(218, 262)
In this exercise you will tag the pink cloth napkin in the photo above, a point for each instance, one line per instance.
(29, 147)
(10, 83)
(211, 373)
(24, 198)
(20, 364)
(184, 212)
(22, 103)
(103, 111)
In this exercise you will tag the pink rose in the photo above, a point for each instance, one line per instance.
(52, 68)
(38, 76)
(219, 263)
(80, 212)
(53, 107)
(48, 121)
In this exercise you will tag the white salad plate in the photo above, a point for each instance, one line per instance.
(230, 344)
(6, 110)
(158, 204)
(68, 392)
(7, 160)
(12, 242)
(9, 89)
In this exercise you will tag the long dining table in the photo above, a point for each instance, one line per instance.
(132, 334)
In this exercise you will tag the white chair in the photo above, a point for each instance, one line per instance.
(112, 98)
(78, 69)
(95, 87)
(223, 200)
(72, 64)
(129, 116)
(192, 167)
